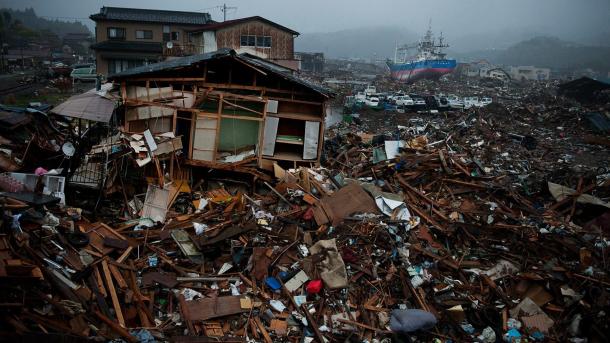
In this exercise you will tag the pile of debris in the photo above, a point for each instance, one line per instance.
(481, 225)
(405, 242)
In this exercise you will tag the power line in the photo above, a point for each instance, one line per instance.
(224, 10)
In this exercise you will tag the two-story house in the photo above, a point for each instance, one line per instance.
(254, 35)
(131, 37)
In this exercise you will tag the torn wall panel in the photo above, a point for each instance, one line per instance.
(204, 142)
(147, 112)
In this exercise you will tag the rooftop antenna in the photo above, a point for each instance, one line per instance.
(224, 10)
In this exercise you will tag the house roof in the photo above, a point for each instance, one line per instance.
(219, 54)
(221, 25)
(144, 47)
(151, 16)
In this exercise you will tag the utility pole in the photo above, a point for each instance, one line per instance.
(224, 10)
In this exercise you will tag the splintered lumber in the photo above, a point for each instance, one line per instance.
(125, 254)
(262, 329)
(117, 276)
(99, 282)
(113, 295)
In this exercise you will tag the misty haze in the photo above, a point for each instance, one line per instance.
(314, 171)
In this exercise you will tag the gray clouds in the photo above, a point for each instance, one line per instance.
(567, 19)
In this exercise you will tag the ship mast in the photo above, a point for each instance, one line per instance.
(427, 47)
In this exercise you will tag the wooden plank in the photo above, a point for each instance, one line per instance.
(322, 128)
(305, 183)
(230, 95)
(261, 130)
(113, 231)
(242, 107)
(297, 116)
(210, 308)
(98, 280)
(220, 106)
(115, 299)
(117, 276)
(241, 117)
(124, 91)
(124, 255)
(146, 317)
(296, 101)
(218, 85)
(253, 329)
(263, 331)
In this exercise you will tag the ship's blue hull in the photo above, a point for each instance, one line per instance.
(427, 69)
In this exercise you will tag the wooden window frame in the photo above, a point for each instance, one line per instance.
(117, 29)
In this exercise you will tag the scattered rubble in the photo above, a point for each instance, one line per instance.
(482, 225)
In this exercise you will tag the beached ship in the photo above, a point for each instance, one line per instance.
(428, 63)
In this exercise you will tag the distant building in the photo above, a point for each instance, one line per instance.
(130, 37)
(26, 57)
(311, 62)
(79, 42)
(529, 73)
(476, 69)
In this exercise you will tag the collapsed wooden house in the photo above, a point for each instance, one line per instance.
(228, 108)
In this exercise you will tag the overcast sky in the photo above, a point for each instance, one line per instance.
(565, 18)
